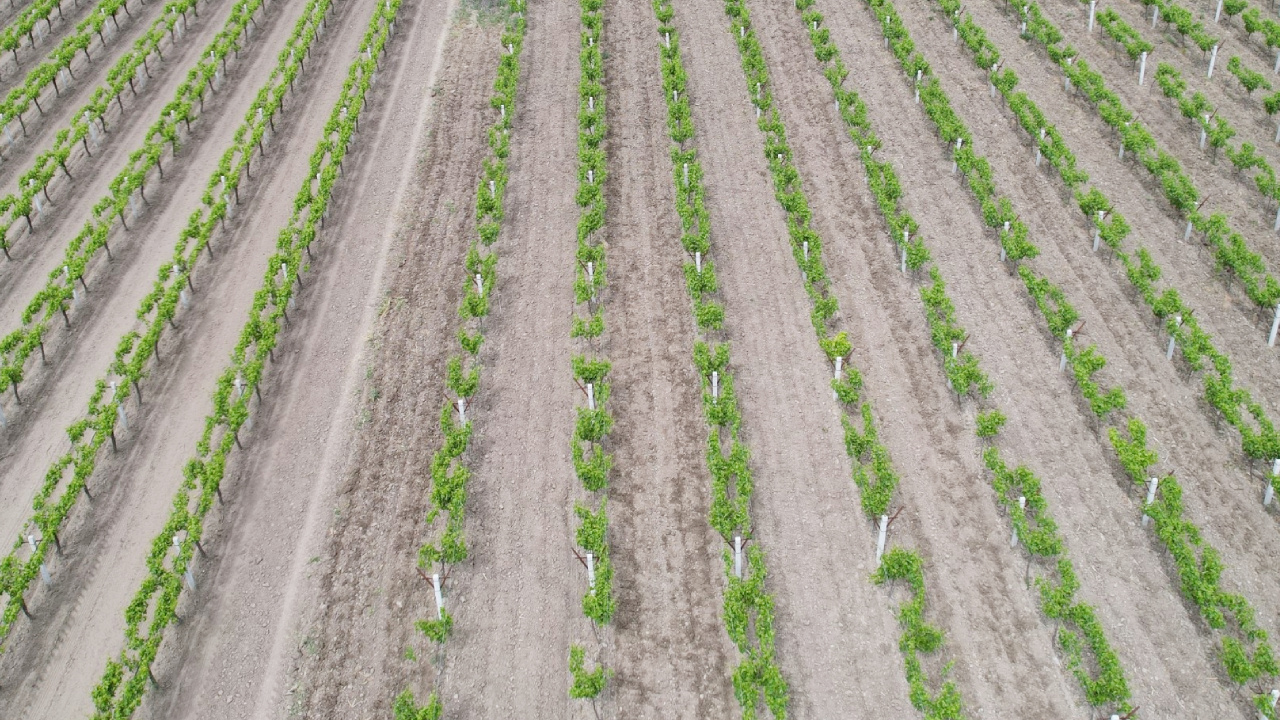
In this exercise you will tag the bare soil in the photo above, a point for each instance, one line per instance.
(671, 654)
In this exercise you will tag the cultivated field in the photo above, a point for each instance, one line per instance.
(426, 359)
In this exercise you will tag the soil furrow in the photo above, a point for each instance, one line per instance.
(236, 658)
(672, 657)
(516, 599)
(366, 593)
(836, 634)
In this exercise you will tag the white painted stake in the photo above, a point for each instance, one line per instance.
(591, 396)
(904, 259)
(737, 556)
(493, 188)
(1217, 15)
(1142, 68)
(806, 249)
(955, 164)
(591, 572)
(686, 174)
(591, 176)
(1022, 505)
(697, 261)
(884, 533)
(839, 368)
(1275, 227)
(462, 410)
(1151, 497)
(591, 103)
(715, 384)
(1213, 58)
(435, 584)
(479, 285)
(503, 108)
(1093, 7)
(1097, 232)
(675, 96)
(1275, 325)
(955, 349)
(1062, 364)
(668, 41)
(1155, 15)
(919, 74)
(1204, 131)
(1186, 234)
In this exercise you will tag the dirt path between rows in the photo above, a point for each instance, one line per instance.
(517, 600)
(348, 652)
(672, 657)
(236, 661)
(836, 635)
